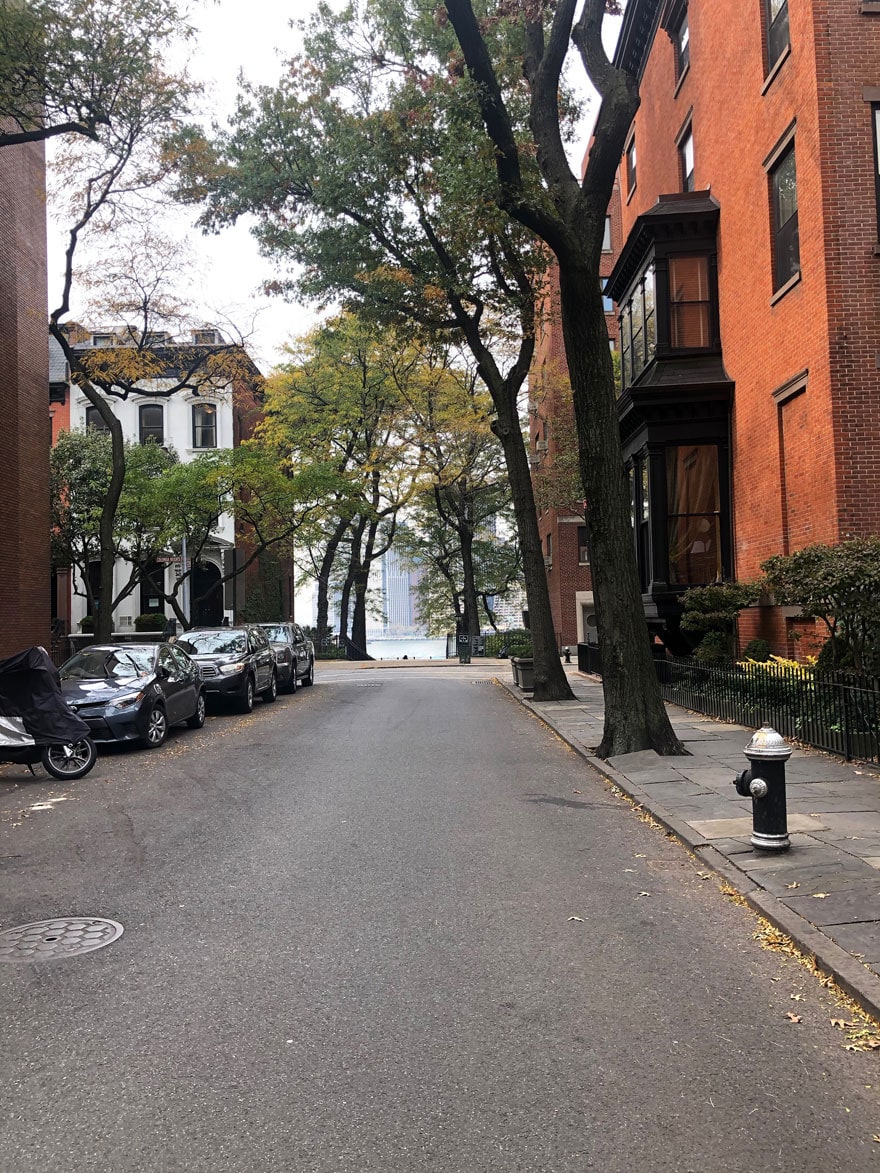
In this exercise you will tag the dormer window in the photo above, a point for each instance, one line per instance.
(205, 337)
(103, 340)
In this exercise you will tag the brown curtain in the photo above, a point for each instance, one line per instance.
(693, 503)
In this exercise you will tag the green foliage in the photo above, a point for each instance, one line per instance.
(78, 66)
(150, 621)
(715, 647)
(757, 650)
(87, 623)
(515, 642)
(838, 585)
(264, 602)
(716, 607)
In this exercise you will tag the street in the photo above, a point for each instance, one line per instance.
(392, 923)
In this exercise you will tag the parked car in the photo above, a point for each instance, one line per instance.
(133, 692)
(294, 653)
(235, 662)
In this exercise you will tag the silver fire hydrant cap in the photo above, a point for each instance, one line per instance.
(768, 744)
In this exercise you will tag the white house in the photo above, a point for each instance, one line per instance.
(192, 423)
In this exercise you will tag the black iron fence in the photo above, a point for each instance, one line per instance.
(838, 712)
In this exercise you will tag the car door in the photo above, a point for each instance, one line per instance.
(300, 650)
(264, 657)
(174, 684)
(192, 682)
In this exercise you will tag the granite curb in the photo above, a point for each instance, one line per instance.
(854, 977)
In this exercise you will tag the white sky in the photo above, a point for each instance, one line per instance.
(253, 37)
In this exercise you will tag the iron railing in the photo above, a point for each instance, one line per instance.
(835, 711)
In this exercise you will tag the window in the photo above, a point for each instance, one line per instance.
(548, 546)
(94, 421)
(638, 329)
(103, 340)
(786, 241)
(686, 159)
(682, 47)
(694, 514)
(583, 546)
(607, 304)
(205, 337)
(606, 239)
(776, 16)
(152, 428)
(204, 425)
(690, 318)
(631, 166)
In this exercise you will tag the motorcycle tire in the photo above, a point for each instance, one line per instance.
(70, 761)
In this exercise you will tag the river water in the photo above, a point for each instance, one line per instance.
(412, 649)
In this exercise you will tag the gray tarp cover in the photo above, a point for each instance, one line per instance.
(30, 688)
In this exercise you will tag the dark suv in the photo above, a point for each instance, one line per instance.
(236, 662)
(294, 652)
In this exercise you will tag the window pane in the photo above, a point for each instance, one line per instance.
(686, 151)
(684, 47)
(638, 322)
(694, 520)
(606, 239)
(204, 425)
(785, 216)
(650, 318)
(689, 310)
(94, 420)
(151, 420)
(777, 30)
(631, 166)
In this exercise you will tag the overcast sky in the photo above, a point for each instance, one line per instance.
(250, 37)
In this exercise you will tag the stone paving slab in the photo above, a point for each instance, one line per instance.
(833, 820)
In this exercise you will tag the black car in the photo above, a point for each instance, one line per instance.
(235, 662)
(133, 692)
(294, 653)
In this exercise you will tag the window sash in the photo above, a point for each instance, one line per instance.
(786, 237)
(204, 427)
(152, 424)
(683, 45)
(631, 166)
(690, 307)
(95, 421)
(778, 38)
(686, 154)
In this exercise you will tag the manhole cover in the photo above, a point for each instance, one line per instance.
(65, 936)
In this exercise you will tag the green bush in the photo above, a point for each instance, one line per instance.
(150, 621)
(87, 624)
(713, 648)
(517, 642)
(835, 656)
(757, 649)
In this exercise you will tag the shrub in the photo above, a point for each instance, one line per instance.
(835, 655)
(713, 648)
(150, 621)
(87, 623)
(757, 650)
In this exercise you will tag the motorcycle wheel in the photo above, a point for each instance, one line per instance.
(69, 761)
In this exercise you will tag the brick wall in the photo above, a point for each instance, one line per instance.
(805, 454)
(24, 389)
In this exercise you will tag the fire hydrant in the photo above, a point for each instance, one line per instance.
(764, 783)
(567, 653)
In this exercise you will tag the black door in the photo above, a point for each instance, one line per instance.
(207, 595)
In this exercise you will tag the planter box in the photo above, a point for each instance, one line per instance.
(523, 672)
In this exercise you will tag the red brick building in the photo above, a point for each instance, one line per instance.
(24, 380)
(553, 457)
(748, 285)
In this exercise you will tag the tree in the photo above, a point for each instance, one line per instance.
(75, 66)
(536, 187)
(839, 586)
(341, 401)
(369, 176)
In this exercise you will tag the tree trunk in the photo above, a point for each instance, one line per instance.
(550, 680)
(471, 603)
(635, 717)
(322, 625)
(104, 615)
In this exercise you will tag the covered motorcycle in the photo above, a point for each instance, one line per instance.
(36, 724)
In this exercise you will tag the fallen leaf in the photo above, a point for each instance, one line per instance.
(794, 885)
(577, 791)
(577, 918)
(797, 998)
(644, 894)
(841, 1023)
(640, 857)
(821, 895)
(876, 1138)
(792, 1017)
(705, 875)
(630, 870)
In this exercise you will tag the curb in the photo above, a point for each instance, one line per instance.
(852, 977)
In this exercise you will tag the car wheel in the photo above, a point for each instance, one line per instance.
(70, 761)
(157, 728)
(246, 701)
(271, 692)
(309, 679)
(290, 686)
(197, 720)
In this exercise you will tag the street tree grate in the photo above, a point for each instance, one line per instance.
(65, 936)
(482, 682)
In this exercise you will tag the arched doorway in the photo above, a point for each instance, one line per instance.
(206, 593)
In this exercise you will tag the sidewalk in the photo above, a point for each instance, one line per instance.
(824, 892)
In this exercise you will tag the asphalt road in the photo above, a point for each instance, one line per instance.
(390, 924)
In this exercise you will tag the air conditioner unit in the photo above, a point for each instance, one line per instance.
(125, 621)
(534, 460)
(540, 445)
(533, 407)
(548, 561)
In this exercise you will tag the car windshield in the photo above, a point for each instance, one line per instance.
(280, 634)
(222, 642)
(101, 664)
